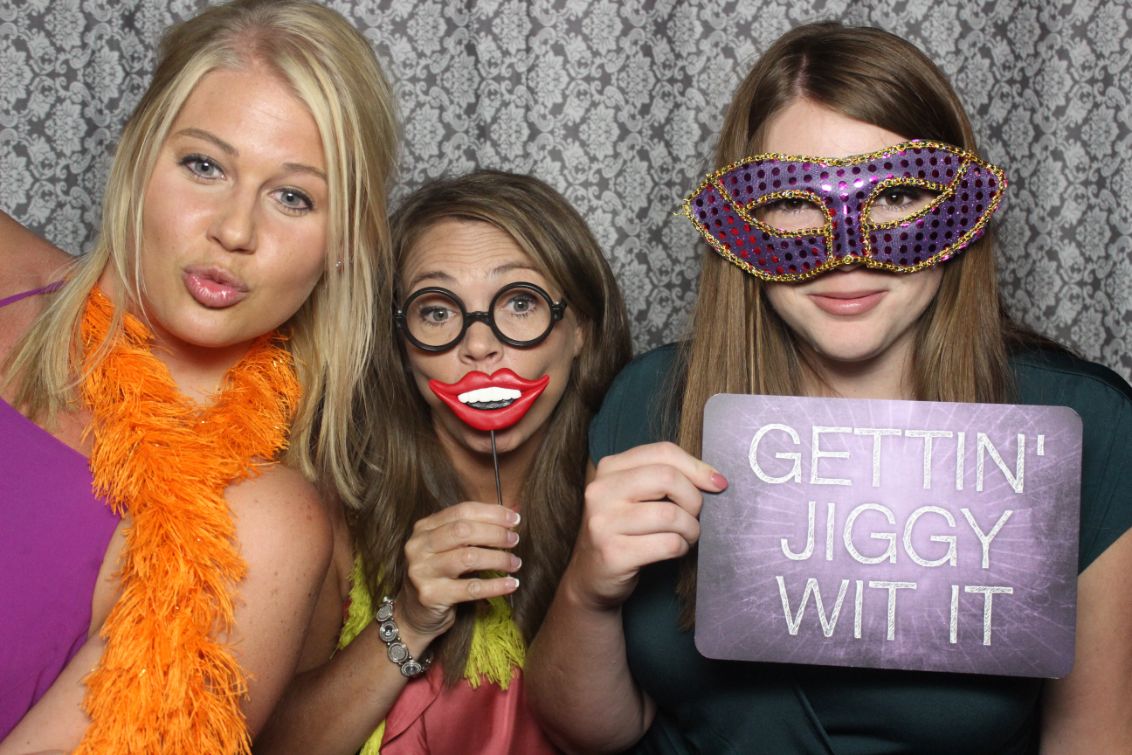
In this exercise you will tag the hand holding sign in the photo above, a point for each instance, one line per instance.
(642, 506)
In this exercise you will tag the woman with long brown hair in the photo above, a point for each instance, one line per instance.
(510, 327)
(887, 323)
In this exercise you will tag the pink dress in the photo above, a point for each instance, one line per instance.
(53, 536)
(487, 720)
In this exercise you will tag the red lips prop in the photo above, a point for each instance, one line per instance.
(490, 416)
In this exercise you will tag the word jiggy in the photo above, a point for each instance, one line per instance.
(891, 535)
(823, 461)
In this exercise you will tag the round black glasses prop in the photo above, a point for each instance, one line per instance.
(521, 315)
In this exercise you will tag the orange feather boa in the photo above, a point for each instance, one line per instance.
(165, 682)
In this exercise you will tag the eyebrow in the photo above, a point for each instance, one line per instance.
(439, 276)
(231, 150)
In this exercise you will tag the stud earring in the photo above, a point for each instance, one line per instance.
(338, 265)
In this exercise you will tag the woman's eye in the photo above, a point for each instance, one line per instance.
(294, 200)
(899, 203)
(791, 214)
(900, 195)
(201, 166)
(521, 304)
(788, 205)
(435, 315)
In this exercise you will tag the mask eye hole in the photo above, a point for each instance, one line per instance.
(791, 214)
(895, 203)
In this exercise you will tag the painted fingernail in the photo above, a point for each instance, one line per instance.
(513, 517)
(512, 538)
(718, 480)
(513, 583)
(516, 562)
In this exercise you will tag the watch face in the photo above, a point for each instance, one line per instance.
(411, 668)
(398, 653)
(385, 612)
(388, 631)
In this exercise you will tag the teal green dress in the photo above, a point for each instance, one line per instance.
(724, 707)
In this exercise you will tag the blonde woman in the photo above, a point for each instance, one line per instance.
(169, 397)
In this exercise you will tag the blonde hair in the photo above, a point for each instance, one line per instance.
(409, 475)
(330, 67)
(738, 343)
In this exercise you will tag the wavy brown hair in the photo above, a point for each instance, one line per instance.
(408, 475)
(738, 343)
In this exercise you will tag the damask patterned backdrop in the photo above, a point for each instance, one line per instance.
(617, 103)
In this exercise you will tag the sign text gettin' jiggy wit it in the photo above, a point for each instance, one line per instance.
(891, 534)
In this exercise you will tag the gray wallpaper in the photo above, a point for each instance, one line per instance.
(617, 104)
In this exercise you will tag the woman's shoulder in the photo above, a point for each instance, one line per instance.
(27, 264)
(281, 511)
(28, 261)
(647, 371)
(1048, 376)
(640, 405)
(1103, 401)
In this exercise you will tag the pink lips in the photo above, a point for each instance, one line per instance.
(845, 304)
(490, 419)
(213, 288)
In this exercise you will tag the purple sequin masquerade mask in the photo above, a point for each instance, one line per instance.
(904, 208)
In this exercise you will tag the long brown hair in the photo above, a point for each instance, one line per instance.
(960, 349)
(409, 476)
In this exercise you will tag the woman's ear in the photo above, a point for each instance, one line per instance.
(579, 338)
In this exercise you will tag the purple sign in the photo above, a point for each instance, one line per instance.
(891, 534)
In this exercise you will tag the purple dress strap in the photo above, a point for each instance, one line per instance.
(50, 288)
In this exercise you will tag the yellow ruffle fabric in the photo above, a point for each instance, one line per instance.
(497, 645)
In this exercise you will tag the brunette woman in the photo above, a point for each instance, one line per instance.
(614, 664)
(500, 288)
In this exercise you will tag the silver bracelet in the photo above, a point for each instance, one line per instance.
(398, 651)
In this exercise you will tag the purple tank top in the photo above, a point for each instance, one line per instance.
(53, 536)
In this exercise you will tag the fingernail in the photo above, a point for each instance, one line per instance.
(513, 583)
(512, 538)
(718, 480)
(513, 517)
(516, 562)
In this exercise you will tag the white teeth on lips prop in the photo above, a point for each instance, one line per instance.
(492, 397)
(490, 402)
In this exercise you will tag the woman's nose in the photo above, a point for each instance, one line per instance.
(234, 226)
(480, 343)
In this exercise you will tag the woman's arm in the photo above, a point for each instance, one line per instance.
(642, 506)
(335, 707)
(285, 540)
(1091, 709)
(57, 720)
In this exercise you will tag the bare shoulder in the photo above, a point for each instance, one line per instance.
(28, 261)
(326, 620)
(280, 509)
(285, 536)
